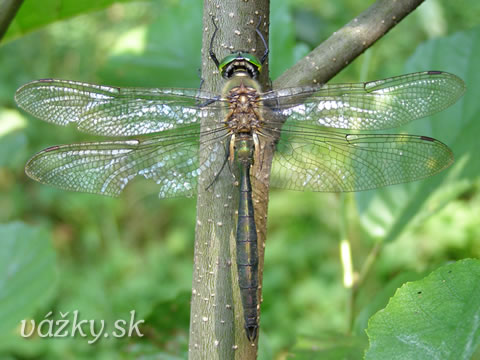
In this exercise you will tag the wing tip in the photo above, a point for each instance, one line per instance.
(22, 94)
(459, 82)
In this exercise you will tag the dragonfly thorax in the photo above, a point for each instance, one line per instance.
(244, 115)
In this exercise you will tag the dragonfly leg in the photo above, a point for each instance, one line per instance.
(231, 152)
(210, 51)
(267, 50)
(226, 161)
(256, 149)
(209, 101)
(201, 79)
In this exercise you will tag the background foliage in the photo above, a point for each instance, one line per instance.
(105, 257)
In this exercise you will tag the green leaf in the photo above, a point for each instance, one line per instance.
(381, 299)
(27, 274)
(433, 318)
(385, 213)
(333, 347)
(34, 14)
(145, 56)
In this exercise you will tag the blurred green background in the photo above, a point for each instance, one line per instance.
(105, 257)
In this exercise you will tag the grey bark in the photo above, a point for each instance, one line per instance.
(216, 323)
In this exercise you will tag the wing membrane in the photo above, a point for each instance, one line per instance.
(335, 162)
(374, 105)
(307, 158)
(114, 111)
(107, 167)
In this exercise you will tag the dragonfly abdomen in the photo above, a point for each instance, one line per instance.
(246, 240)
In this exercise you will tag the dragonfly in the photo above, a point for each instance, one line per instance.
(156, 133)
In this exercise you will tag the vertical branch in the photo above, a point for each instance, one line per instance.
(216, 319)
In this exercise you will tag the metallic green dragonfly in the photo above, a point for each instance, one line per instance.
(158, 136)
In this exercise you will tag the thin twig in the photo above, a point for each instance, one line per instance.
(340, 49)
(8, 9)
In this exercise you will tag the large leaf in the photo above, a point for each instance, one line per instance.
(381, 298)
(144, 56)
(27, 274)
(433, 318)
(34, 14)
(386, 212)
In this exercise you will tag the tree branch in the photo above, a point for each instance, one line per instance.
(343, 46)
(8, 9)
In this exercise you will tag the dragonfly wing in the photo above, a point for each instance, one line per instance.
(107, 167)
(373, 105)
(335, 162)
(114, 111)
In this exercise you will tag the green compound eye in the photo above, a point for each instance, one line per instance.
(240, 56)
(252, 59)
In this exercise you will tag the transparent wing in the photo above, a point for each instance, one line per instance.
(373, 105)
(107, 167)
(335, 162)
(114, 111)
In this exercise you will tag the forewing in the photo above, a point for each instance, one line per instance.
(335, 162)
(114, 111)
(374, 105)
(107, 167)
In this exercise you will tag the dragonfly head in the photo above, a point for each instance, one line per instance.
(240, 63)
